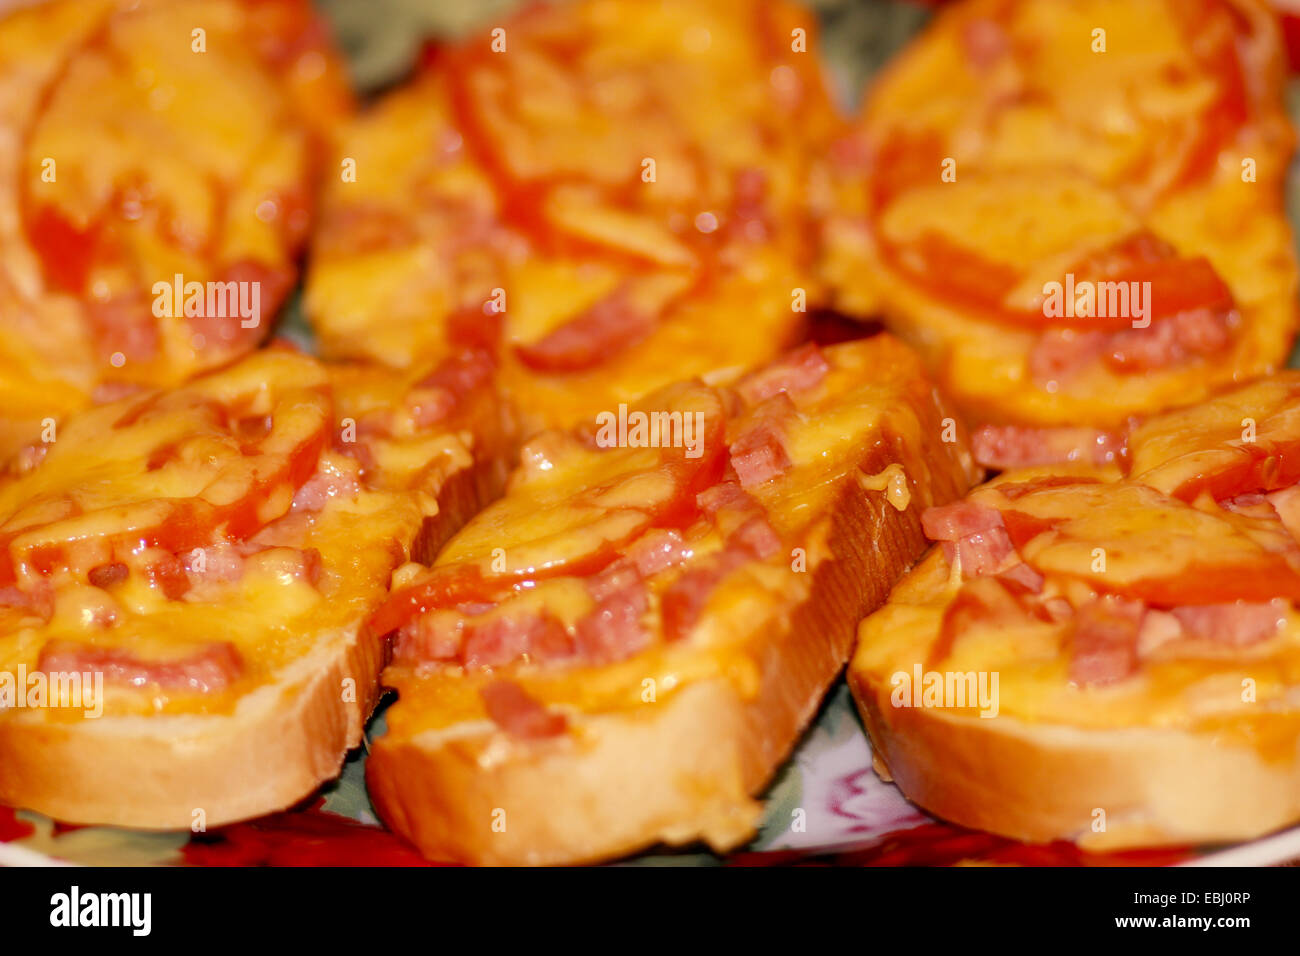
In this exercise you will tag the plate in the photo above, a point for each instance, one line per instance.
(826, 806)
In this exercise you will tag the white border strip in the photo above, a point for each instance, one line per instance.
(13, 855)
(1269, 851)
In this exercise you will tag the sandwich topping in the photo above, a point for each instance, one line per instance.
(1162, 590)
(124, 189)
(598, 201)
(1039, 200)
(187, 543)
(602, 563)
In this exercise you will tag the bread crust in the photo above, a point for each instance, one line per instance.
(281, 742)
(1047, 782)
(625, 780)
(159, 773)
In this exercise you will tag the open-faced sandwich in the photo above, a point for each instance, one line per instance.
(157, 177)
(1114, 661)
(184, 576)
(615, 196)
(1074, 210)
(622, 649)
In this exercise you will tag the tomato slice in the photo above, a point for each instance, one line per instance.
(608, 327)
(1230, 109)
(445, 586)
(1261, 466)
(904, 160)
(959, 274)
(1132, 540)
(207, 483)
(1177, 284)
(1244, 441)
(66, 252)
(571, 511)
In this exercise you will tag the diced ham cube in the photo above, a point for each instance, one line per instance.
(971, 533)
(758, 453)
(511, 709)
(797, 371)
(213, 667)
(615, 629)
(952, 522)
(1239, 624)
(1104, 640)
(1017, 446)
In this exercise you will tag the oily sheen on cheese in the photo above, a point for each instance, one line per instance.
(152, 144)
(548, 519)
(1163, 598)
(1075, 211)
(607, 202)
(191, 546)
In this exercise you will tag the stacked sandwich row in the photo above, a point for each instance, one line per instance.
(574, 476)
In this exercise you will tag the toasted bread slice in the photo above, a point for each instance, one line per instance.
(1023, 169)
(152, 148)
(185, 574)
(608, 243)
(622, 649)
(1135, 640)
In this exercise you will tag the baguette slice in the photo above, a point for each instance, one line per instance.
(1025, 165)
(1143, 632)
(607, 243)
(206, 558)
(622, 650)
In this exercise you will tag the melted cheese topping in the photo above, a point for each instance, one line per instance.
(1175, 449)
(1058, 147)
(1201, 694)
(362, 527)
(892, 481)
(133, 159)
(633, 157)
(1124, 536)
(873, 396)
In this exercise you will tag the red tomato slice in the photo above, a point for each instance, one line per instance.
(445, 586)
(960, 275)
(233, 503)
(1230, 110)
(573, 515)
(1207, 581)
(1177, 284)
(1132, 540)
(66, 251)
(957, 273)
(607, 328)
(904, 161)
(1243, 441)
(1261, 466)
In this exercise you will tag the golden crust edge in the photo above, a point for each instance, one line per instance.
(1040, 783)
